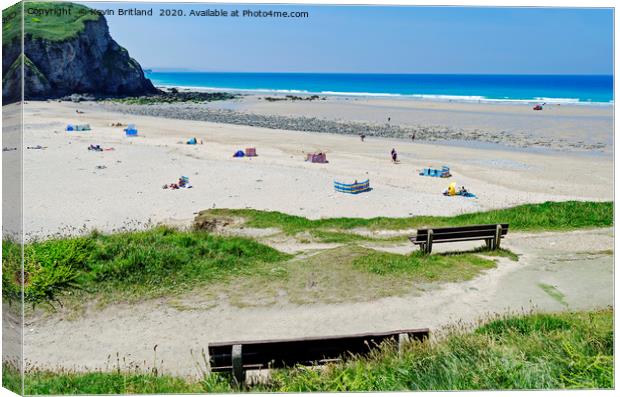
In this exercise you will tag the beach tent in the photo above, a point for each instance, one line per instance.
(250, 152)
(452, 189)
(352, 188)
(239, 153)
(131, 130)
(317, 158)
(192, 141)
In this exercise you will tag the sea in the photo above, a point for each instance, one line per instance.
(577, 89)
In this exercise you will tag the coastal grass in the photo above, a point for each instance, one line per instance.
(141, 263)
(349, 273)
(538, 351)
(11, 377)
(53, 21)
(71, 383)
(560, 216)
(421, 267)
(164, 261)
(572, 350)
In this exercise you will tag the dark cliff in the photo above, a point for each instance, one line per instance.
(63, 56)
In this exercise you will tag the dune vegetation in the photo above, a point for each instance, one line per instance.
(560, 216)
(520, 352)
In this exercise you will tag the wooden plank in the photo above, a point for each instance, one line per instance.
(308, 351)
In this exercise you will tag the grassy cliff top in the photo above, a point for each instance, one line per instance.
(51, 21)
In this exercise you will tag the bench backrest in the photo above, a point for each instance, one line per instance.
(306, 351)
(461, 233)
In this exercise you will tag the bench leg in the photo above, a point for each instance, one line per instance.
(237, 365)
(429, 242)
(498, 236)
(423, 248)
(402, 340)
(489, 243)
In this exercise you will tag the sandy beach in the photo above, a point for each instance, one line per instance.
(69, 189)
(123, 187)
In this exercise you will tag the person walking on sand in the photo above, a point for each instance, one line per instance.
(394, 155)
(413, 137)
(362, 137)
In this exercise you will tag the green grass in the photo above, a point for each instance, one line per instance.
(561, 216)
(348, 273)
(106, 383)
(145, 263)
(11, 377)
(422, 267)
(553, 292)
(50, 27)
(167, 262)
(536, 351)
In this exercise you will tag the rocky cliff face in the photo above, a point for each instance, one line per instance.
(89, 63)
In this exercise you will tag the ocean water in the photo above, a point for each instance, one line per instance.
(584, 89)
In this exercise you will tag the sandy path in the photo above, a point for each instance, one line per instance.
(572, 263)
(64, 189)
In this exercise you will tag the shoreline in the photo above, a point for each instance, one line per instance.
(406, 97)
(228, 112)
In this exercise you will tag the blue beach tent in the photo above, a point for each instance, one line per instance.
(131, 130)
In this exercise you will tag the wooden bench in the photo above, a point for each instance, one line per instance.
(491, 234)
(239, 357)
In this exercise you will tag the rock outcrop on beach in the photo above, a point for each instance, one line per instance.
(67, 54)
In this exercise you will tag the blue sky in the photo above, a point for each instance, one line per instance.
(372, 40)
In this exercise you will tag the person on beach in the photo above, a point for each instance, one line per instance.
(394, 155)
(413, 137)
(389, 119)
(362, 137)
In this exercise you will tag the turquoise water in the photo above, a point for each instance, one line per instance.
(543, 88)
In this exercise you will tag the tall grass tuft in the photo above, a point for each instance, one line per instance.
(148, 261)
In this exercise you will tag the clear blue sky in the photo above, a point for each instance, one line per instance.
(373, 39)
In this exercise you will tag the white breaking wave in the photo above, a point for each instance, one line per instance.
(431, 97)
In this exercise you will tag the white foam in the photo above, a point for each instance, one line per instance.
(430, 97)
